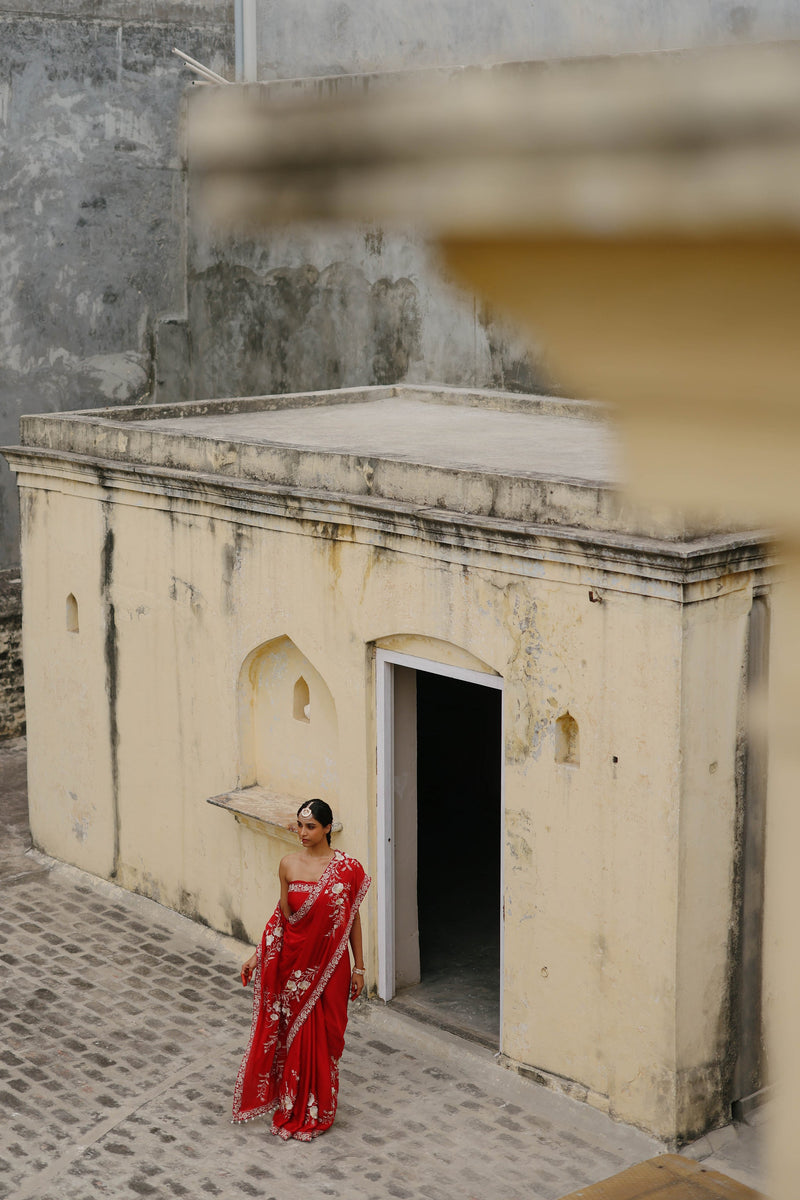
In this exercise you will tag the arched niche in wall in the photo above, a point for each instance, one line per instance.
(288, 730)
(568, 743)
(302, 701)
(73, 623)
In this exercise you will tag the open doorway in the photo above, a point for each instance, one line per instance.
(443, 926)
(459, 852)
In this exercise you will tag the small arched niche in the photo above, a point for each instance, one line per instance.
(568, 744)
(282, 747)
(301, 701)
(72, 614)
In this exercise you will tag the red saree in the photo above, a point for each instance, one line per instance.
(301, 987)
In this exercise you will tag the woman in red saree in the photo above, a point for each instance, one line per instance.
(302, 981)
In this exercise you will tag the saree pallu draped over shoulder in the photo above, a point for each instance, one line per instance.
(301, 988)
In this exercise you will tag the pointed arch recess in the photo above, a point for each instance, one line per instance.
(279, 749)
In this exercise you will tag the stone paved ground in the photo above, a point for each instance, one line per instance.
(122, 1029)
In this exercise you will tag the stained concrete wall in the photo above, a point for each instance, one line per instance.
(92, 194)
(314, 309)
(105, 297)
(12, 694)
(331, 37)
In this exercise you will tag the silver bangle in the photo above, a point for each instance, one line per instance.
(359, 971)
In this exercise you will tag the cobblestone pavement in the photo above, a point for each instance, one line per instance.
(123, 1027)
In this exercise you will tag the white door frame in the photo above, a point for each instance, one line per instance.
(385, 662)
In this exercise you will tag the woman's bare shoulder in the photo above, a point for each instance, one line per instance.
(288, 863)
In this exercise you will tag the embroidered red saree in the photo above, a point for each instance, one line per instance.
(301, 987)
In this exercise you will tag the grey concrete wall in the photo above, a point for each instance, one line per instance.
(92, 195)
(12, 692)
(315, 309)
(330, 37)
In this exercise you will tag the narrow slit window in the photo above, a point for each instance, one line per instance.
(302, 701)
(72, 614)
(568, 748)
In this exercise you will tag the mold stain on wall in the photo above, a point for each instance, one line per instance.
(297, 328)
(111, 655)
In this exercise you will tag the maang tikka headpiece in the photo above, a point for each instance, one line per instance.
(306, 814)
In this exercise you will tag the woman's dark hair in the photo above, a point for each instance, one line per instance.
(322, 812)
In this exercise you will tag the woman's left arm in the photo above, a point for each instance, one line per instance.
(357, 977)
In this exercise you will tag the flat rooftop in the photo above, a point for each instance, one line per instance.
(529, 460)
(424, 433)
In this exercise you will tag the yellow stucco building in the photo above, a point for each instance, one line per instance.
(524, 698)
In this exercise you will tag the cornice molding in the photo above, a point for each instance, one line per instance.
(344, 517)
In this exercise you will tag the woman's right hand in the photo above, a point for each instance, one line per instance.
(249, 967)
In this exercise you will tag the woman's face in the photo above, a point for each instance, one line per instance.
(311, 833)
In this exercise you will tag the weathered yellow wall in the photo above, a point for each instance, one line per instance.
(69, 780)
(618, 874)
(592, 929)
(713, 716)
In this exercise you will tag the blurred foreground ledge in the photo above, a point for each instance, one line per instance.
(637, 145)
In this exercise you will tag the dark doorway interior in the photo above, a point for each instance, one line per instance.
(459, 854)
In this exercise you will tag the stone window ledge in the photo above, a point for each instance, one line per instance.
(265, 810)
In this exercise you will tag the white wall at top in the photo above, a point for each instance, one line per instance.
(331, 37)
